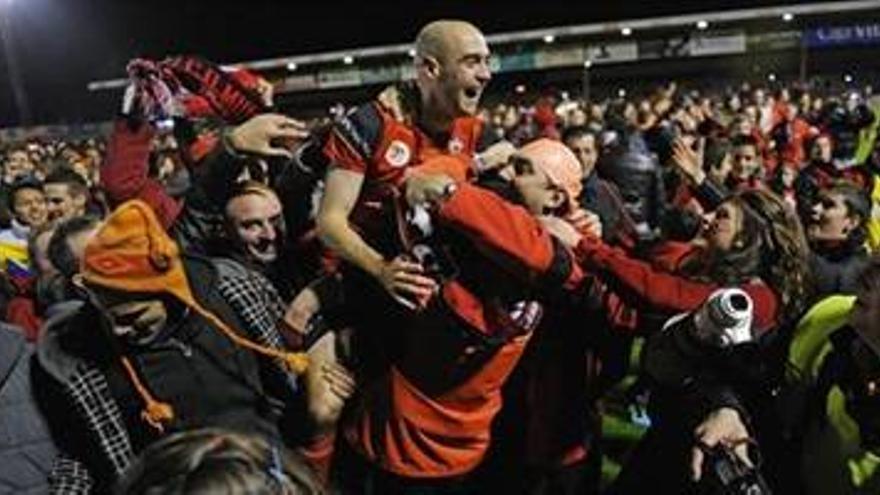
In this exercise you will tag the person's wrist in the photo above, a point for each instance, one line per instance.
(480, 163)
(231, 141)
(443, 193)
(377, 268)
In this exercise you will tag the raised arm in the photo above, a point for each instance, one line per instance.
(125, 171)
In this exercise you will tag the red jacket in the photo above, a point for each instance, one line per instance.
(125, 172)
(641, 284)
(430, 417)
(21, 310)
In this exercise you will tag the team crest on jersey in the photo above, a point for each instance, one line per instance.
(398, 154)
(455, 145)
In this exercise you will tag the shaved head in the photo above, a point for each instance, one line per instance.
(438, 39)
(452, 69)
(558, 163)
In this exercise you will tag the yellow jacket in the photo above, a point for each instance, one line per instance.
(832, 459)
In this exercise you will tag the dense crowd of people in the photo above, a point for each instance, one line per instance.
(427, 296)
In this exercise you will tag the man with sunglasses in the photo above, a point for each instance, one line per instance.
(424, 418)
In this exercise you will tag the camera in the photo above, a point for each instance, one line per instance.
(725, 319)
(724, 473)
(691, 343)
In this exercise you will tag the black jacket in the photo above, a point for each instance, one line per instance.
(208, 380)
(836, 271)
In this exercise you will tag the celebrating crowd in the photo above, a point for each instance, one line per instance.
(426, 296)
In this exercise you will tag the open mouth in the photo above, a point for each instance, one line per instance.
(264, 250)
(131, 318)
(472, 93)
(264, 246)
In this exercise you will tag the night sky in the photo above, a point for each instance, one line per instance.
(61, 45)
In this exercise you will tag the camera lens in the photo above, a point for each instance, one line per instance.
(739, 302)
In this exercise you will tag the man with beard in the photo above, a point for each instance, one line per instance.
(372, 148)
(255, 223)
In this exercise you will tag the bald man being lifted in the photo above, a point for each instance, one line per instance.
(372, 148)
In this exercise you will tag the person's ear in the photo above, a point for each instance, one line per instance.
(852, 223)
(431, 66)
(557, 199)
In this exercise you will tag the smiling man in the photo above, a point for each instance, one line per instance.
(255, 224)
(371, 149)
(67, 195)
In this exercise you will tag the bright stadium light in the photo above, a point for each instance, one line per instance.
(788, 17)
(702, 25)
(771, 77)
(291, 66)
(626, 31)
(621, 93)
(549, 38)
(411, 52)
(520, 88)
(348, 60)
(847, 78)
(588, 64)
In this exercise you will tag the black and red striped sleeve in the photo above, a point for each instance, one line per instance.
(354, 138)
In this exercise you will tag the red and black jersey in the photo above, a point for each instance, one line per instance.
(371, 141)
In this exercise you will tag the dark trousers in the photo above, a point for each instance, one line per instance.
(353, 475)
(513, 477)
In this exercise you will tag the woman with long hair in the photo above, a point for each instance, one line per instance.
(753, 241)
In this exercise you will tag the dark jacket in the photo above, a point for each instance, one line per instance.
(101, 430)
(835, 270)
(602, 198)
(26, 448)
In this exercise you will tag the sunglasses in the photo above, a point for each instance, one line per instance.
(521, 165)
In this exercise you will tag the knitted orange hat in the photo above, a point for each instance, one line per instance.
(559, 164)
(131, 252)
